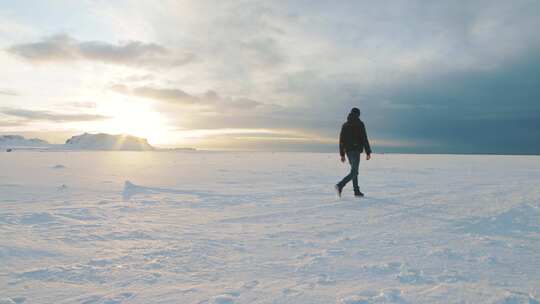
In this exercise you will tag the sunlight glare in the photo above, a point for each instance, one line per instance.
(137, 119)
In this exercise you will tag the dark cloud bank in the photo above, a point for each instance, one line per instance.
(490, 111)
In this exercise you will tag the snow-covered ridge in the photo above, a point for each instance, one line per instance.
(84, 141)
(14, 141)
(104, 141)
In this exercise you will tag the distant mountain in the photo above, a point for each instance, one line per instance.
(84, 141)
(17, 141)
(177, 149)
(104, 141)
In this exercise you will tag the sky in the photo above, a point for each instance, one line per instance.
(428, 76)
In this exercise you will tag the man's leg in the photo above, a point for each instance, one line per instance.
(354, 172)
(344, 181)
(349, 176)
(354, 158)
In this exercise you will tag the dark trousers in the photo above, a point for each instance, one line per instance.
(354, 161)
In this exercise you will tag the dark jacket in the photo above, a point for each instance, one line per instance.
(353, 136)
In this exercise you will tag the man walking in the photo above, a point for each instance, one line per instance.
(353, 141)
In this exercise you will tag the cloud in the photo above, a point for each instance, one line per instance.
(174, 96)
(80, 105)
(139, 78)
(222, 103)
(63, 48)
(169, 95)
(177, 96)
(459, 77)
(255, 139)
(50, 116)
(11, 123)
(9, 93)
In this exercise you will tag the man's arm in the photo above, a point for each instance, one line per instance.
(341, 143)
(367, 147)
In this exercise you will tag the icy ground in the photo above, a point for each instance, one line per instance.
(157, 227)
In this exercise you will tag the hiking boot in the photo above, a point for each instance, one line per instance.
(338, 190)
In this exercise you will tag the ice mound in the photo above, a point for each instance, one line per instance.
(104, 141)
(130, 189)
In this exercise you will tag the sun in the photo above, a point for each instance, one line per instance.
(137, 119)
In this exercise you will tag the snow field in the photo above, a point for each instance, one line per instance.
(235, 227)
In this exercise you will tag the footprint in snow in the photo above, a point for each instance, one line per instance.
(15, 300)
(223, 299)
(382, 296)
